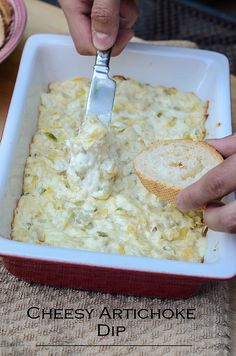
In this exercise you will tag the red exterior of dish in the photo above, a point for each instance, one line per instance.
(104, 279)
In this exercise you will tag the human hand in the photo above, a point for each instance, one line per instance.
(213, 186)
(100, 24)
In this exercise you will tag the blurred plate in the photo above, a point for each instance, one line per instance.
(16, 30)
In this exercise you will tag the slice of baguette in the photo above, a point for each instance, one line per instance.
(6, 11)
(2, 31)
(166, 167)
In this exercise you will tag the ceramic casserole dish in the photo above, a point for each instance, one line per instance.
(48, 58)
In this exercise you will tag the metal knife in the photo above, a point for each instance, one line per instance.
(102, 89)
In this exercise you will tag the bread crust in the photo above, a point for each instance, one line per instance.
(162, 190)
(166, 191)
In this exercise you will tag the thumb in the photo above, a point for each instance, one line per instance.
(105, 23)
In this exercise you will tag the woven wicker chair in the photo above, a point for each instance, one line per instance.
(186, 20)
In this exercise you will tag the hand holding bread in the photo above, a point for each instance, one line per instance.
(190, 188)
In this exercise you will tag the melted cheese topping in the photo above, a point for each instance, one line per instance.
(80, 190)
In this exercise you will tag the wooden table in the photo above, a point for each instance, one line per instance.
(49, 19)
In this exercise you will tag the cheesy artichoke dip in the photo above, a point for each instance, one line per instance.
(80, 189)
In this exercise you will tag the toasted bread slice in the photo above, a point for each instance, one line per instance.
(166, 167)
(2, 32)
(6, 11)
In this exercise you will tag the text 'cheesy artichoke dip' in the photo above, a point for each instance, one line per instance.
(80, 189)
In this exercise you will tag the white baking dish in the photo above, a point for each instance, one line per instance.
(47, 58)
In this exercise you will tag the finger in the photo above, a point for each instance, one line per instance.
(77, 14)
(215, 184)
(128, 13)
(82, 35)
(221, 218)
(226, 146)
(123, 38)
(105, 23)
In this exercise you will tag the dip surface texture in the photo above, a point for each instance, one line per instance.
(80, 189)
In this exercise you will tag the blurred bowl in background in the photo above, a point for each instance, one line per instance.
(16, 29)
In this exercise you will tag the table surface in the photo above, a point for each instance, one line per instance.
(44, 18)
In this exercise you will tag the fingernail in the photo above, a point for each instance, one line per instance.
(102, 41)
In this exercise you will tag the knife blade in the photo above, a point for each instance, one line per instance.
(102, 90)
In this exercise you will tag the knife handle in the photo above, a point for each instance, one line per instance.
(103, 59)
